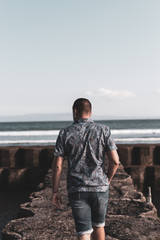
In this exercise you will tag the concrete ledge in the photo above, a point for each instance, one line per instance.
(141, 161)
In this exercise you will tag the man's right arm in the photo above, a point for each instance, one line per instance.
(113, 163)
(57, 170)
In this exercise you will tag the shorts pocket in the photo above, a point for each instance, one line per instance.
(74, 196)
(102, 198)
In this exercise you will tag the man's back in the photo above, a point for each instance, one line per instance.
(85, 143)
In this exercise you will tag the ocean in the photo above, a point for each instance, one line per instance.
(45, 133)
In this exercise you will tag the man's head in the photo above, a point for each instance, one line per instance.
(82, 108)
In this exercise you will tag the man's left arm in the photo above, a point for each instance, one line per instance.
(57, 170)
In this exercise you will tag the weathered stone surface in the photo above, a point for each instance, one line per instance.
(128, 228)
(129, 216)
(23, 167)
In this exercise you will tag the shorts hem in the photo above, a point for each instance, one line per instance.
(98, 224)
(84, 232)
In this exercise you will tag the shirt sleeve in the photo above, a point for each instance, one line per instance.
(110, 143)
(59, 150)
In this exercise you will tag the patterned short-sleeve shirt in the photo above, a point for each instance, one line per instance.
(85, 143)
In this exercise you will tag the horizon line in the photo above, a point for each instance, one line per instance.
(49, 117)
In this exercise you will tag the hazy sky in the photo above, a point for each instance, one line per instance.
(52, 52)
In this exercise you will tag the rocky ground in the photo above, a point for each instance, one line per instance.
(129, 217)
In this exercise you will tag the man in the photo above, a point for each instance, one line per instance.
(85, 143)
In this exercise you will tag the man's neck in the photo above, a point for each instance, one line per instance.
(83, 117)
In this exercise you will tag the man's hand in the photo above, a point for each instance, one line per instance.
(57, 200)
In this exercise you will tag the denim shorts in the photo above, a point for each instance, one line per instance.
(88, 209)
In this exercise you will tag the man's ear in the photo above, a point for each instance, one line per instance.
(75, 112)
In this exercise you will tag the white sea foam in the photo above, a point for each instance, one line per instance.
(56, 132)
(137, 140)
(44, 141)
(29, 133)
(49, 136)
(27, 142)
(134, 131)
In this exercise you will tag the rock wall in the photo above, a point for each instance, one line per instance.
(26, 157)
(142, 162)
(24, 167)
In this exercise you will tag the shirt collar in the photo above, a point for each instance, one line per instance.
(83, 120)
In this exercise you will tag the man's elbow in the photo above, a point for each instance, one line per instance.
(113, 157)
(58, 168)
(117, 162)
(116, 159)
(57, 164)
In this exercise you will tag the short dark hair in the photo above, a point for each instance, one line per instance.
(82, 105)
